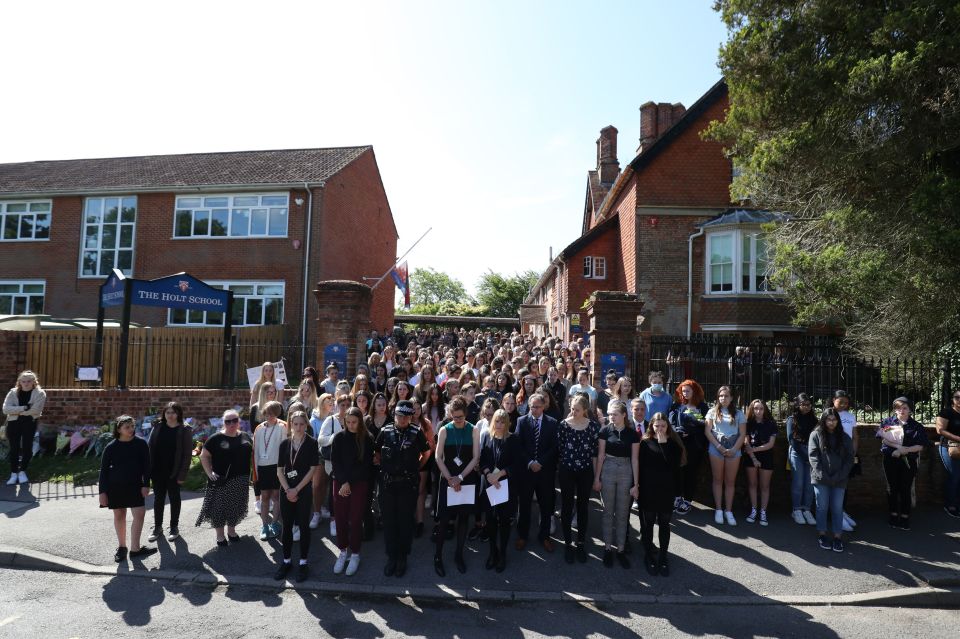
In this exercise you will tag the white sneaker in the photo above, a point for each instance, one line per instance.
(847, 518)
(718, 517)
(808, 516)
(24, 480)
(752, 517)
(333, 528)
(798, 517)
(731, 520)
(324, 512)
(296, 533)
(763, 518)
(341, 562)
(256, 506)
(315, 521)
(846, 526)
(13, 480)
(353, 565)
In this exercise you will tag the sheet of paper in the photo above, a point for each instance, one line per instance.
(498, 496)
(465, 496)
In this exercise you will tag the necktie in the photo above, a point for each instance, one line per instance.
(536, 439)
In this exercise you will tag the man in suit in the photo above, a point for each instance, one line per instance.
(538, 444)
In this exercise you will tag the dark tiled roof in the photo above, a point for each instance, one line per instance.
(154, 172)
(743, 216)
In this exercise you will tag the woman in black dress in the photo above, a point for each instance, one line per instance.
(661, 456)
(171, 443)
(125, 483)
(498, 457)
(226, 461)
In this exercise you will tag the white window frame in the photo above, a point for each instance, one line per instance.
(594, 267)
(199, 318)
(21, 284)
(207, 210)
(99, 248)
(737, 237)
(29, 205)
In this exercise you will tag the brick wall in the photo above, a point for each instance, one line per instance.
(10, 360)
(96, 406)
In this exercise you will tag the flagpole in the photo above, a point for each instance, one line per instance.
(382, 277)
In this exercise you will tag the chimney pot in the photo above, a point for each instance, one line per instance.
(607, 165)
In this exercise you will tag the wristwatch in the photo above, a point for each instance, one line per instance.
(460, 476)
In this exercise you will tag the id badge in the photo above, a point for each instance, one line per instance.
(458, 461)
(292, 474)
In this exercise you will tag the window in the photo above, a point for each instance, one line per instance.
(20, 221)
(254, 304)
(595, 268)
(231, 215)
(21, 298)
(108, 225)
(738, 262)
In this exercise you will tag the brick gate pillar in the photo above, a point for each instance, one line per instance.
(614, 321)
(344, 318)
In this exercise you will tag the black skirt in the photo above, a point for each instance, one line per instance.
(126, 496)
(267, 478)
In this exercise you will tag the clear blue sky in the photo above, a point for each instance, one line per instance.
(483, 115)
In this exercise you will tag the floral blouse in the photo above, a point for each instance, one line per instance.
(577, 448)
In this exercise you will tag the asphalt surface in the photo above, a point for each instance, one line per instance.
(52, 605)
(782, 559)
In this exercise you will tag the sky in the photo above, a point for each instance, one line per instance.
(483, 115)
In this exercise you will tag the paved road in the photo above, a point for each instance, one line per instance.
(782, 559)
(50, 605)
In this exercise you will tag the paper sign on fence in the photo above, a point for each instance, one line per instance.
(465, 496)
(498, 495)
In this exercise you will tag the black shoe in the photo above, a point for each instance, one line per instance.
(950, 510)
(492, 560)
(142, 552)
(222, 543)
(418, 530)
(608, 558)
(484, 536)
(664, 567)
(502, 562)
(461, 564)
(390, 569)
(438, 566)
(303, 571)
(282, 571)
(622, 559)
(568, 554)
(174, 533)
(905, 523)
(894, 521)
(474, 533)
(233, 539)
(120, 555)
(401, 566)
(653, 567)
(581, 553)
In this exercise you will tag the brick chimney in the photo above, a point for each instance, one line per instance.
(655, 120)
(608, 168)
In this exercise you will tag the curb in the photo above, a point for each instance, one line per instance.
(943, 590)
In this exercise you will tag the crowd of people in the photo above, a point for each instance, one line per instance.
(463, 432)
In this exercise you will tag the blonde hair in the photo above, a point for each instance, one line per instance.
(582, 401)
(28, 374)
(262, 395)
(499, 415)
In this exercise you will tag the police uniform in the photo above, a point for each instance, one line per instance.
(400, 451)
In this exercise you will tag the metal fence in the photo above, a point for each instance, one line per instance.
(777, 370)
(160, 357)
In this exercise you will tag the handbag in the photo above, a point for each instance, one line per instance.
(221, 480)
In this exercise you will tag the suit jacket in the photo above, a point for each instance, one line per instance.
(548, 441)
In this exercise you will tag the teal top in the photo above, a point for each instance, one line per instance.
(459, 436)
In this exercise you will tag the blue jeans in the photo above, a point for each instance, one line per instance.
(801, 490)
(829, 497)
(953, 478)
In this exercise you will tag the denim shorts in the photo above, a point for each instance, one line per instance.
(713, 450)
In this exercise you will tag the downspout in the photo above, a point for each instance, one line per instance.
(690, 281)
(306, 278)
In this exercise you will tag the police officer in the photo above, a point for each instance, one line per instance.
(403, 449)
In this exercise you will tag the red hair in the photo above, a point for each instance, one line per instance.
(696, 399)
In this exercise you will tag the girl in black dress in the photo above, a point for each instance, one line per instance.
(661, 456)
(125, 483)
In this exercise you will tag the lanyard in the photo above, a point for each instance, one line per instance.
(267, 437)
(294, 455)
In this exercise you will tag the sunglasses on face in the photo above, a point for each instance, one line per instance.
(232, 420)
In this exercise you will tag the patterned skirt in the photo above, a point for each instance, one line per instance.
(225, 505)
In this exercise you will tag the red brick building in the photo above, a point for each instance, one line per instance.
(266, 224)
(665, 228)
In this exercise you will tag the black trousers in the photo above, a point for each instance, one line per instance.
(646, 530)
(499, 521)
(164, 487)
(690, 474)
(575, 485)
(542, 485)
(21, 444)
(900, 472)
(296, 512)
(398, 509)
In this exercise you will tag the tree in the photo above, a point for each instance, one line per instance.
(503, 295)
(428, 286)
(846, 115)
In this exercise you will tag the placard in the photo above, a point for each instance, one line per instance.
(279, 375)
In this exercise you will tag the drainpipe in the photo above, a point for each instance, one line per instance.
(306, 278)
(690, 281)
